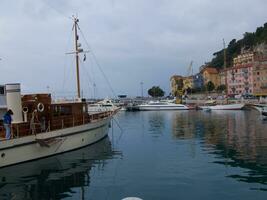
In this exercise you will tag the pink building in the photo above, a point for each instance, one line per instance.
(240, 79)
(240, 76)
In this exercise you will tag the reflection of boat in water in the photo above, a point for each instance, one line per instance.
(53, 177)
(213, 106)
(162, 105)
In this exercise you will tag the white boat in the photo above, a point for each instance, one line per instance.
(264, 111)
(162, 105)
(259, 107)
(101, 106)
(41, 128)
(224, 107)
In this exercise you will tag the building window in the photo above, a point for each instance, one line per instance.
(258, 73)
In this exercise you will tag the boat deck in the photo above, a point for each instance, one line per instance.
(61, 122)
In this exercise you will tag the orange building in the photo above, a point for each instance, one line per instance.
(211, 74)
(260, 78)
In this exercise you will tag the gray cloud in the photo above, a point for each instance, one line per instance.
(134, 40)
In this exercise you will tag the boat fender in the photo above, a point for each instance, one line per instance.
(40, 107)
(25, 110)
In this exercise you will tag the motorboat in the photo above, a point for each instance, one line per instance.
(264, 111)
(259, 107)
(102, 106)
(162, 105)
(213, 106)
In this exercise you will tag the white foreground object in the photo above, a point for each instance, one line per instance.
(13, 99)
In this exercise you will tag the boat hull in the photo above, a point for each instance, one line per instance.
(154, 107)
(259, 107)
(224, 107)
(51, 143)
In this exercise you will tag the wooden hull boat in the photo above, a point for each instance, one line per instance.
(42, 128)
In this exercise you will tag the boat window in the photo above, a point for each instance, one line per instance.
(62, 110)
(2, 90)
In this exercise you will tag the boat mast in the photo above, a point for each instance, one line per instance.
(76, 38)
(224, 67)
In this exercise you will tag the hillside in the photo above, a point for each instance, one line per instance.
(234, 47)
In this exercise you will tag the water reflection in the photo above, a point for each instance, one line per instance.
(237, 139)
(54, 177)
(156, 121)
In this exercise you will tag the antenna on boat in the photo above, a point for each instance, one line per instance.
(77, 50)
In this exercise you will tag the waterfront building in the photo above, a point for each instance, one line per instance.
(198, 81)
(260, 78)
(210, 74)
(176, 84)
(240, 76)
(240, 79)
(243, 58)
(187, 83)
(222, 80)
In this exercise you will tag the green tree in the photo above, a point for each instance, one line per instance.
(221, 88)
(248, 41)
(156, 91)
(210, 86)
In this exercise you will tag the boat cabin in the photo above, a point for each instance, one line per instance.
(40, 114)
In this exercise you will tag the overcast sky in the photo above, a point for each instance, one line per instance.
(134, 41)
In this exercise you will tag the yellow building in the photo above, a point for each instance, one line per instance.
(211, 74)
(243, 59)
(188, 83)
(176, 81)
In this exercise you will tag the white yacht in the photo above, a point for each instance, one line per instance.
(162, 105)
(211, 105)
(102, 106)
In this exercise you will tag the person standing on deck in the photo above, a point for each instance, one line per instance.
(7, 119)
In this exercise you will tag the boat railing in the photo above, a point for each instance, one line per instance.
(56, 123)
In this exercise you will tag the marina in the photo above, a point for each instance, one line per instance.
(133, 100)
(186, 154)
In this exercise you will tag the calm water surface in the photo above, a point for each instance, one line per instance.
(157, 155)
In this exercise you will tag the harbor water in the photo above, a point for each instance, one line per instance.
(155, 155)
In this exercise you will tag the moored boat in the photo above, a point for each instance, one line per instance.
(239, 106)
(162, 105)
(259, 107)
(264, 111)
(212, 105)
(42, 127)
(104, 105)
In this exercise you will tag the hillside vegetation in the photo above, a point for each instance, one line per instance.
(234, 47)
